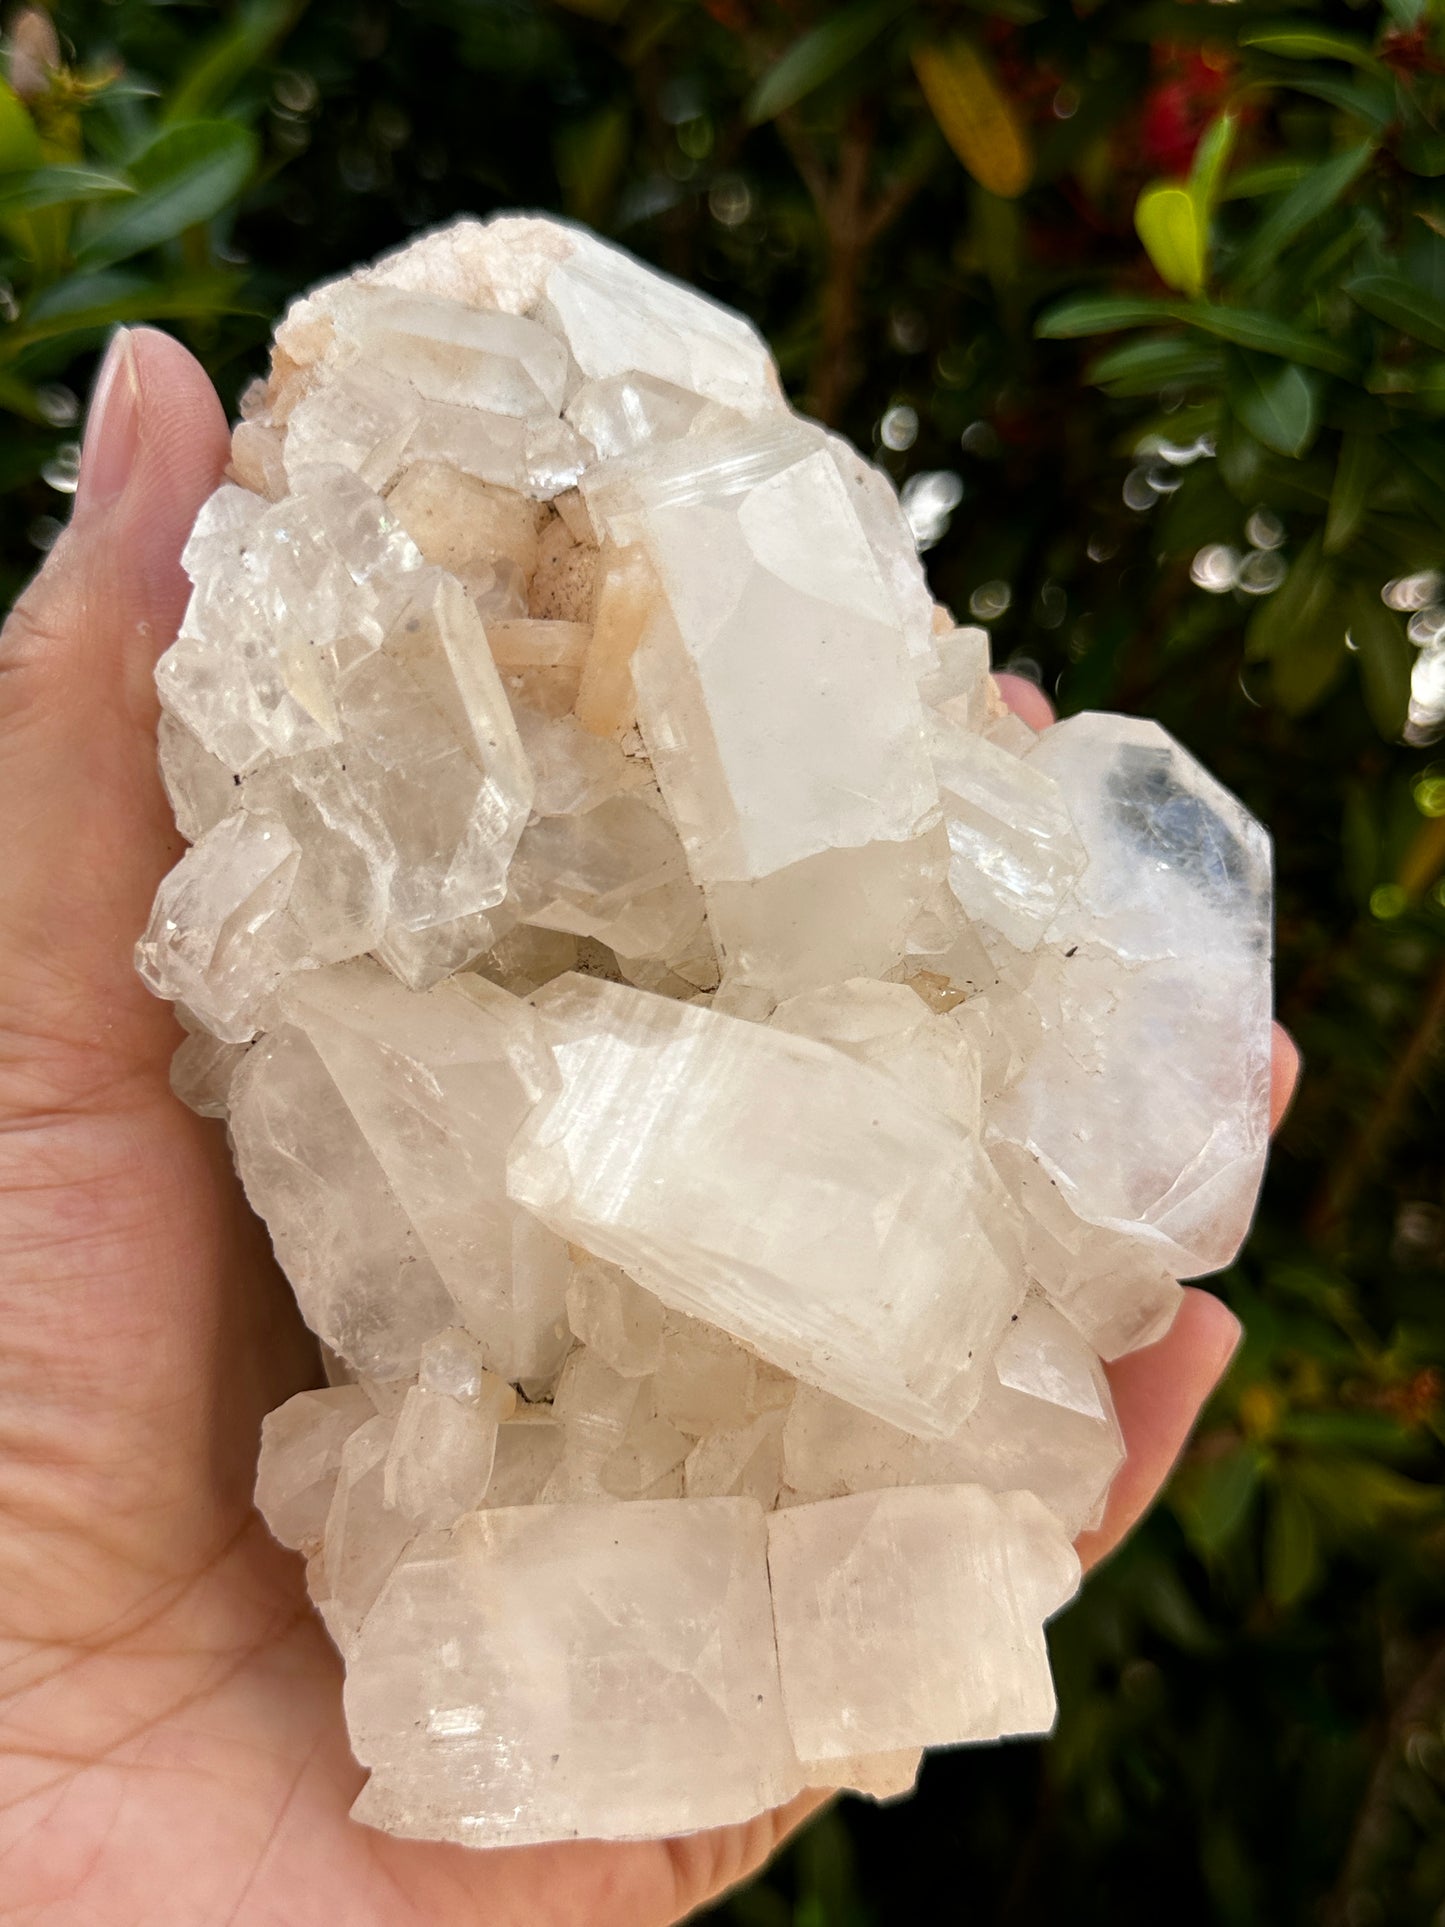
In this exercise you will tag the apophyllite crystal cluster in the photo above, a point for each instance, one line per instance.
(717, 1082)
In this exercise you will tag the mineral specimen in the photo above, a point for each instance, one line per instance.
(718, 1085)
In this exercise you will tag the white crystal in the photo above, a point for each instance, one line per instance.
(766, 1183)
(301, 1447)
(424, 1093)
(1044, 1424)
(770, 582)
(719, 1083)
(1147, 1098)
(909, 1617)
(1013, 850)
(549, 1672)
(219, 938)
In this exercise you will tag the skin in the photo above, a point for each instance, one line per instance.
(171, 1744)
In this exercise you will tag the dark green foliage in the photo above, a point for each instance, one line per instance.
(1252, 1727)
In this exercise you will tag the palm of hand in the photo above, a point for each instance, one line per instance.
(171, 1743)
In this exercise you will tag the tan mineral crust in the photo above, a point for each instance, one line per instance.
(717, 1084)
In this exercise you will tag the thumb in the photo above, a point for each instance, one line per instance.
(89, 832)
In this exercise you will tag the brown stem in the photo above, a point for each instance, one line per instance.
(894, 199)
(1418, 1707)
(851, 226)
(835, 370)
(1342, 1182)
(807, 160)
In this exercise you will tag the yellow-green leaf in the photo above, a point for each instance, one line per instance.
(975, 116)
(1307, 43)
(1174, 237)
(1211, 158)
(19, 141)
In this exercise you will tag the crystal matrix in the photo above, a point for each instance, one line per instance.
(718, 1085)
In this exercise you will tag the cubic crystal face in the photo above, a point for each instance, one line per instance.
(911, 1615)
(545, 1672)
(717, 1083)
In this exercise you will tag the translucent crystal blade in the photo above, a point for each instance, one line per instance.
(766, 1183)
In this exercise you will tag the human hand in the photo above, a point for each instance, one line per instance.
(171, 1743)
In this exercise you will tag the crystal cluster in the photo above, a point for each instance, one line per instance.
(718, 1083)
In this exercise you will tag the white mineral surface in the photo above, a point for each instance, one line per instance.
(717, 1085)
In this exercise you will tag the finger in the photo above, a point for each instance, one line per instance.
(1026, 700)
(88, 829)
(1284, 1070)
(1158, 1395)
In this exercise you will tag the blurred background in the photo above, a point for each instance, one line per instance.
(1143, 308)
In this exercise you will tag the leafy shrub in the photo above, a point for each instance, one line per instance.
(1143, 305)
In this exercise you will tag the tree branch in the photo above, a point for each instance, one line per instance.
(1343, 1181)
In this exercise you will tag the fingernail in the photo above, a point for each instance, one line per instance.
(1231, 1333)
(112, 426)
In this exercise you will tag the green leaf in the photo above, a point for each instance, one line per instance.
(1373, 1432)
(19, 140)
(19, 398)
(1423, 470)
(1144, 367)
(1214, 1501)
(1276, 401)
(183, 299)
(1423, 154)
(1400, 304)
(1211, 158)
(1252, 328)
(590, 155)
(1300, 632)
(1099, 314)
(818, 56)
(1370, 100)
(1350, 496)
(1175, 239)
(1308, 43)
(1269, 177)
(1361, 1495)
(1385, 656)
(187, 174)
(1291, 1547)
(42, 187)
(1306, 202)
(229, 58)
(1246, 327)
(1305, 673)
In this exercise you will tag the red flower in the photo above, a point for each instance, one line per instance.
(1191, 87)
